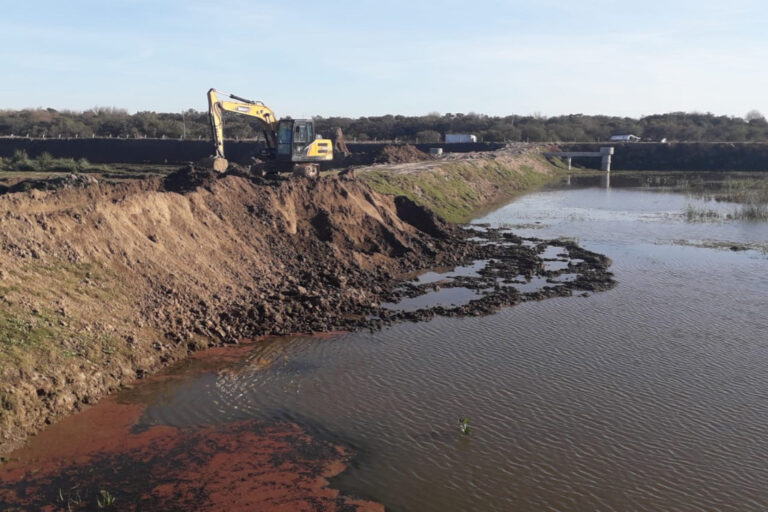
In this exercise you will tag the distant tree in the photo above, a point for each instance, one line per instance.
(428, 136)
(754, 115)
(193, 124)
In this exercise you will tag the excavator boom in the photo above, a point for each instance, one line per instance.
(243, 106)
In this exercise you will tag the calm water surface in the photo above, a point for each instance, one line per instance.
(651, 396)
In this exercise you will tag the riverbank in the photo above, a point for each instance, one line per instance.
(100, 454)
(102, 284)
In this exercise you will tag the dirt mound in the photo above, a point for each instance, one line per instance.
(101, 285)
(54, 183)
(188, 179)
(401, 155)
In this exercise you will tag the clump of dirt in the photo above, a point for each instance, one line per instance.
(400, 155)
(189, 178)
(513, 270)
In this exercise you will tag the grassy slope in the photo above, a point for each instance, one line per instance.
(458, 190)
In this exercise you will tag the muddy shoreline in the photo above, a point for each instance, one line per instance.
(107, 283)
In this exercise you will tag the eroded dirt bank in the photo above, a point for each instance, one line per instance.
(101, 285)
(458, 186)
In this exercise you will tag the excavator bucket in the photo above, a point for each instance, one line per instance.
(339, 144)
(215, 163)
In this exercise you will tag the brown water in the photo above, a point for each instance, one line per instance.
(651, 396)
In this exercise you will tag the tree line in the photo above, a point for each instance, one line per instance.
(193, 124)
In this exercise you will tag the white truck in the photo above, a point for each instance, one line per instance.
(453, 138)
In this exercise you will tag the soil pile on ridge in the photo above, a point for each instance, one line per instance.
(401, 155)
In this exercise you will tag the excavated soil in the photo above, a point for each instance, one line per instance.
(101, 284)
(400, 155)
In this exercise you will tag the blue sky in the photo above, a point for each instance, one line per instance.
(396, 57)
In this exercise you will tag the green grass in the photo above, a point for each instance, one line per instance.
(21, 162)
(26, 337)
(450, 190)
(22, 331)
(34, 335)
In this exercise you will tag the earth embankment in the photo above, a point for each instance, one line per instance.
(103, 284)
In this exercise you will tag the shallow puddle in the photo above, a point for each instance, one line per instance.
(445, 297)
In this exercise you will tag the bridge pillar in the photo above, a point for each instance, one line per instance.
(606, 153)
(569, 162)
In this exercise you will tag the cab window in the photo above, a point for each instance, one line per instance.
(284, 133)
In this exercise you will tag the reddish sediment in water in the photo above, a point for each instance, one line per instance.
(243, 466)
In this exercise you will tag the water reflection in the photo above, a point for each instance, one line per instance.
(605, 180)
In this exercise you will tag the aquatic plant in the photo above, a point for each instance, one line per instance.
(464, 426)
(751, 212)
(693, 214)
(70, 499)
(105, 500)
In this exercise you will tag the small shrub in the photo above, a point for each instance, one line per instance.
(65, 164)
(44, 161)
(19, 156)
(105, 500)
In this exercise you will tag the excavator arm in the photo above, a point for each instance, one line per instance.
(256, 109)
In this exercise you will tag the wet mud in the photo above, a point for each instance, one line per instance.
(512, 270)
(105, 459)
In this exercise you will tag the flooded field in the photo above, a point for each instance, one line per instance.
(650, 396)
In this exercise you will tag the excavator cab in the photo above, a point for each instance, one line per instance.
(297, 142)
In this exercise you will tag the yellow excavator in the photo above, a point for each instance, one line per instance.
(291, 144)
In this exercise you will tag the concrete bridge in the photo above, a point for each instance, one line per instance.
(604, 153)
